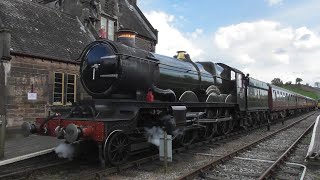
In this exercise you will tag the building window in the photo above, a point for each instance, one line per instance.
(64, 91)
(58, 88)
(107, 28)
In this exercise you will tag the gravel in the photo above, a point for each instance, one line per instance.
(190, 160)
(188, 163)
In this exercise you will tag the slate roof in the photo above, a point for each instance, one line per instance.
(41, 31)
(132, 18)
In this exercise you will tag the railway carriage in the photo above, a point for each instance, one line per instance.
(134, 90)
(282, 102)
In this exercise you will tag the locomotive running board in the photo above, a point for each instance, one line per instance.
(109, 75)
(215, 120)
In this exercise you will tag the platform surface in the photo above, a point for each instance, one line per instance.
(16, 147)
(314, 147)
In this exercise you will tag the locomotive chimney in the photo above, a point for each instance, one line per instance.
(127, 37)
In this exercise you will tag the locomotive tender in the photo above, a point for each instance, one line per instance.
(133, 89)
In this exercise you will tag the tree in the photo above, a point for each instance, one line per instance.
(288, 83)
(277, 82)
(317, 84)
(298, 80)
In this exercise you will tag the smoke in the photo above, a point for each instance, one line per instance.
(65, 151)
(154, 135)
(177, 132)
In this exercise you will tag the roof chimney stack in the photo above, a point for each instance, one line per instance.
(5, 44)
(133, 2)
(127, 37)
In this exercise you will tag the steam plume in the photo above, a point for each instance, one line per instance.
(154, 135)
(64, 150)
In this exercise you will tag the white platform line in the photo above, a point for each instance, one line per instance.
(24, 157)
(311, 146)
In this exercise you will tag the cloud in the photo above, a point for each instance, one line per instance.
(170, 38)
(298, 13)
(274, 2)
(269, 49)
(265, 49)
(306, 39)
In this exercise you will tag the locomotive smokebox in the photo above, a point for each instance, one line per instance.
(127, 37)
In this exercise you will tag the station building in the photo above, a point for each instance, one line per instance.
(41, 41)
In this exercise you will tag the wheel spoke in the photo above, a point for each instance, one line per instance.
(118, 148)
(114, 150)
(115, 145)
(123, 141)
(114, 156)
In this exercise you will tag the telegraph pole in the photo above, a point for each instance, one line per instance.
(5, 38)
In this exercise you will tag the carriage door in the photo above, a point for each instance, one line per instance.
(241, 100)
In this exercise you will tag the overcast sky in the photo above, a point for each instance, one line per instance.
(265, 38)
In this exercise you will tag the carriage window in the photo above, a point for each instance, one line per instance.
(239, 80)
(219, 69)
(233, 75)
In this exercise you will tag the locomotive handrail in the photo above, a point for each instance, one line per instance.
(128, 55)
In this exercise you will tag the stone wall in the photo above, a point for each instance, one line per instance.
(145, 44)
(26, 71)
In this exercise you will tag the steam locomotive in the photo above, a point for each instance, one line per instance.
(133, 90)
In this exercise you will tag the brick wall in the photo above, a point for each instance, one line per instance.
(25, 72)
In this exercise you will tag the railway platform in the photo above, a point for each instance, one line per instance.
(20, 148)
(314, 147)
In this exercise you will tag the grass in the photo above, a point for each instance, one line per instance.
(301, 89)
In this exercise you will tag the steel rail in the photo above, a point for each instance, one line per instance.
(229, 156)
(136, 163)
(267, 173)
(24, 157)
(262, 160)
(29, 168)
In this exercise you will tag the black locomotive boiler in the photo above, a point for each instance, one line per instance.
(133, 90)
(114, 71)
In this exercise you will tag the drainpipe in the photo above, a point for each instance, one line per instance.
(5, 57)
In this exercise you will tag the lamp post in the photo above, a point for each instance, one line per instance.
(5, 57)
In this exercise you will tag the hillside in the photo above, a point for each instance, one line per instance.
(304, 90)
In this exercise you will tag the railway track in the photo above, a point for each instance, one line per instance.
(257, 160)
(32, 166)
(24, 167)
(101, 174)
